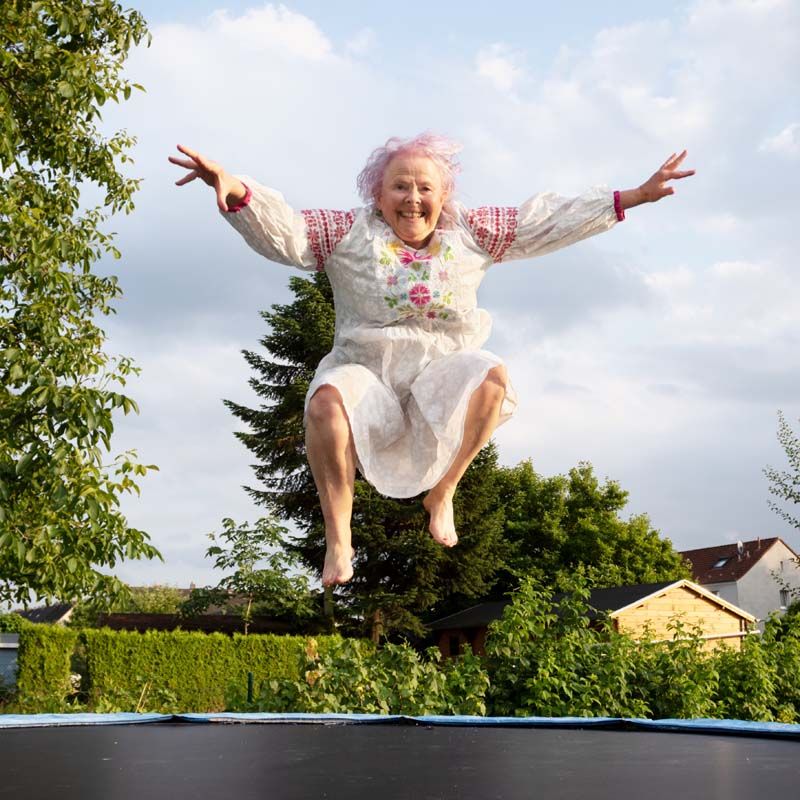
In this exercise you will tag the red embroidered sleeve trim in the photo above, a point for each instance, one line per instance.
(325, 230)
(245, 201)
(495, 228)
(620, 211)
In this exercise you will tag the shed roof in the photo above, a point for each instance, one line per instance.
(601, 601)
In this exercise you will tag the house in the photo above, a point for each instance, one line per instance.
(760, 576)
(651, 607)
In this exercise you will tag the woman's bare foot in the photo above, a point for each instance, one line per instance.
(442, 525)
(338, 566)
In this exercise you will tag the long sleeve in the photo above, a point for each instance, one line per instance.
(272, 228)
(545, 223)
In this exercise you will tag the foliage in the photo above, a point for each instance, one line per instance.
(59, 499)
(13, 623)
(785, 484)
(556, 524)
(171, 671)
(544, 658)
(356, 677)
(679, 679)
(271, 590)
(400, 573)
(43, 668)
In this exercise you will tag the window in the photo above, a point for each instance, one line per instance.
(785, 599)
(721, 562)
(455, 645)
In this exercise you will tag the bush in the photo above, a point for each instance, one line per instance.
(355, 677)
(678, 679)
(547, 660)
(171, 671)
(13, 623)
(43, 668)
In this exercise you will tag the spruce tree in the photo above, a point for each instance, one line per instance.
(401, 574)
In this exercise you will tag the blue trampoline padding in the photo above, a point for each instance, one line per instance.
(232, 716)
(711, 726)
(49, 720)
(740, 726)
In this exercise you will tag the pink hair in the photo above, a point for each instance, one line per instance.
(439, 149)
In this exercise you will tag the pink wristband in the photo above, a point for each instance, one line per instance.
(243, 202)
(618, 207)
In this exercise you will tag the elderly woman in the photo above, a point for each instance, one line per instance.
(407, 394)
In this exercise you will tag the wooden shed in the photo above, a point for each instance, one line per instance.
(651, 607)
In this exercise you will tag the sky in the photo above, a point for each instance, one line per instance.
(660, 351)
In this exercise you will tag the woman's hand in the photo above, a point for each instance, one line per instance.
(229, 190)
(655, 187)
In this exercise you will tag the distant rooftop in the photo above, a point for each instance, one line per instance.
(723, 563)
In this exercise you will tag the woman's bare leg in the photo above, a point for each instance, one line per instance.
(331, 456)
(482, 415)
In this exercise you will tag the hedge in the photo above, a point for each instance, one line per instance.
(173, 671)
(43, 668)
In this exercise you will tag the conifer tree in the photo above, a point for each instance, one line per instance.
(400, 572)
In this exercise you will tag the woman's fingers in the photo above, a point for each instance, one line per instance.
(187, 178)
(183, 162)
(189, 152)
(205, 164)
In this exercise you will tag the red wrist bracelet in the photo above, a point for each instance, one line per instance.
(618, 207)
(243, 202)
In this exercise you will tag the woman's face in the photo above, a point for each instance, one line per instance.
(411, 198)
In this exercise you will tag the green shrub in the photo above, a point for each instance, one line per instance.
(43, 668)
(355, 677)
(13, 623)
(171, 671)
(551, 661)
(678, 679)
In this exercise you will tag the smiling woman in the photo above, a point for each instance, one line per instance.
(407, 394)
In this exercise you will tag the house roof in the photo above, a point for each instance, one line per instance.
(723, 563)
(47, 614)
(601, 601)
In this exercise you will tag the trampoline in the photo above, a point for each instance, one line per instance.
(248, 756)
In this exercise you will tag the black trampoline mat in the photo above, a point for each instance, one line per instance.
(382, 762)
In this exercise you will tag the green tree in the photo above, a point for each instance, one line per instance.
(400, 572)
(785, 484)
(60, 522)
(249, 589)
(555, 524)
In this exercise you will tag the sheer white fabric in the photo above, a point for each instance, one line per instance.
(407, 352)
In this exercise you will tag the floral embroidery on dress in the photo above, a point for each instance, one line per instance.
(417, 281)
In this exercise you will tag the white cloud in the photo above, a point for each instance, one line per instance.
(272, 27)
(501, 65)
(735, 269)
(785, 143)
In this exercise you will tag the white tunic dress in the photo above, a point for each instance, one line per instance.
(407, 345)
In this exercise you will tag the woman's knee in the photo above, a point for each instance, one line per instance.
(326, 406)
(494, 385)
